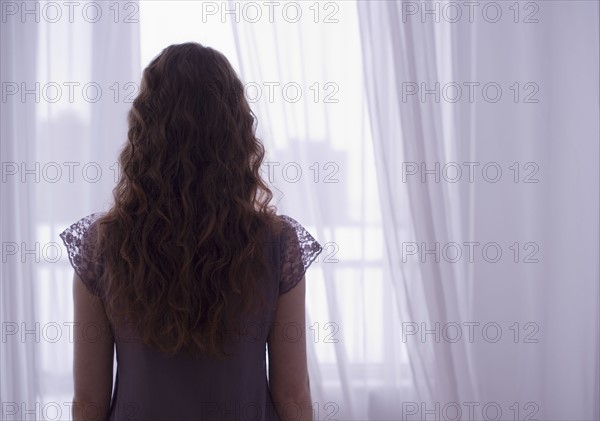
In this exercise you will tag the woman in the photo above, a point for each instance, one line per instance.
(191, 274)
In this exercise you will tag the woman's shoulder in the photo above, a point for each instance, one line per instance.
(295, 231)
(299, 249)
(77, 235)
(80, 227)
(80, 240)
(288, 224)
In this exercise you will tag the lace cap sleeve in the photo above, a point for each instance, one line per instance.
(79, 239)
(298, 250)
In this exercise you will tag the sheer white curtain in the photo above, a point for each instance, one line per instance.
(433, 294)
(65, 74)
(528, 317)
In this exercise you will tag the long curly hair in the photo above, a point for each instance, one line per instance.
(188, 230)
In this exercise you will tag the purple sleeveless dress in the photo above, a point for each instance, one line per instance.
(151, 385)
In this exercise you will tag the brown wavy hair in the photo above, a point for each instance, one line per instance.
(188, 229)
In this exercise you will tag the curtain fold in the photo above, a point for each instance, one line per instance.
(542, 135)
(402, 54)
(18, 362)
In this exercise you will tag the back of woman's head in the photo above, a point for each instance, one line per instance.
(187, 231)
